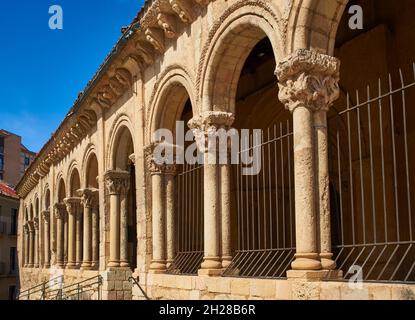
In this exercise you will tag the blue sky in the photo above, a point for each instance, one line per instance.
(43, 70)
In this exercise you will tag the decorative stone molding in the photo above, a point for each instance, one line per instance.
(156, 38)
(36, 224)
(26, 228)
(117, 181)
(308, 78)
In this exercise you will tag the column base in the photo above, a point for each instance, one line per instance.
(46, 265)
(314, 275)
(211, 266)
(226, 261)
(306, 261)
(327, 263)
(124, 264)
(86, 266)
(169, 263)
(158, 267)
(113, 264)
(71, 265)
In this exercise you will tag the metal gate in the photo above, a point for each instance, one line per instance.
(264, 210)
(372, 180)
(189, 221)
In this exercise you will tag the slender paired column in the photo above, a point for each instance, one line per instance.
(31, 244)
(117, 182)
(89, 201)
(60, 214)
(124, 225)
(225, 196)
(95, 234)
(26, 231)
(308, 84)
(46, 239)
(205, 129)
(79, 235)
(72, 205)
(170, 178)
(36, 243)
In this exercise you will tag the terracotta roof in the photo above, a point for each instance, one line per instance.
(7, 191)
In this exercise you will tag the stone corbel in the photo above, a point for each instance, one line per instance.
(168, 23)
(145, 52)
(182, 9)
(156, 38)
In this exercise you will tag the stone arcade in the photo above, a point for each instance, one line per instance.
(94, 203)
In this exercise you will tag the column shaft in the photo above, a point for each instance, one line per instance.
(71, 239)
(170, 215)
(124, 230)
(87, 257)
(60, 242)
(226, 215)
(79, 241)
(31, 248)
(114, 230)
(47, 242)
(158, 263)
(95, 237)
(36, 247)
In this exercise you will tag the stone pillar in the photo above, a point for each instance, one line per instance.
(72, 205)
(170, 176)
(65, 239)
(124, 225)
(26, 231)
(116, 182)
(158, 263)
(79, 235)
(60, 213)
(46, 239)
(36, 243)
(31, 244)
(205, 130)
(308, 84)
(89, 201)
(225, 187)
(95, 235)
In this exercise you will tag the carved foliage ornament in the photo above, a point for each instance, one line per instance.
(308, 78)
(117, 182)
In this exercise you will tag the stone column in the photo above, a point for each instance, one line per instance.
(60, 213)
(72, 205)
(36, 243)
(89, 202)
(65, 239)
(158, 207)
(308, 84)
(205, 130)
(31, 244)
(95, 234)
(116, 181)
(170, 176)
(124, 225)
(79, 235)
(46, 239)
(26, 231)
(225, 187)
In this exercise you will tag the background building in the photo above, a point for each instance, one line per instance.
(9, 205)
(15, 158)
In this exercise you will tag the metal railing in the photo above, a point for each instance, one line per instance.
(189, 221)
(371, 154)
(41, 291)
(89, 289)
(264, 213)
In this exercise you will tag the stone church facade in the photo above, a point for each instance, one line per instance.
(333, 195)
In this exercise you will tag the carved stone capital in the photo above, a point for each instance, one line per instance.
(117, 181)
(26, 228)
(46, 216)
(158, 165)
(72, 205)
(60, 210)
(308, 78)
(36, 224)
(89, 197)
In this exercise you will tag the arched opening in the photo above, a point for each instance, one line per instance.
(371, 143)
(61, 191)
(47, 199)
(122, 153)
(75, 183)
(92, 172)
(262, 202)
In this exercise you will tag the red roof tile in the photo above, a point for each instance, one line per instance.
(7, 191)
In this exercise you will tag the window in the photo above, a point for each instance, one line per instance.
(12, 260)
(12, 292)
(1, 176)
(1, 162)
(26, 161)
(13, 225)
